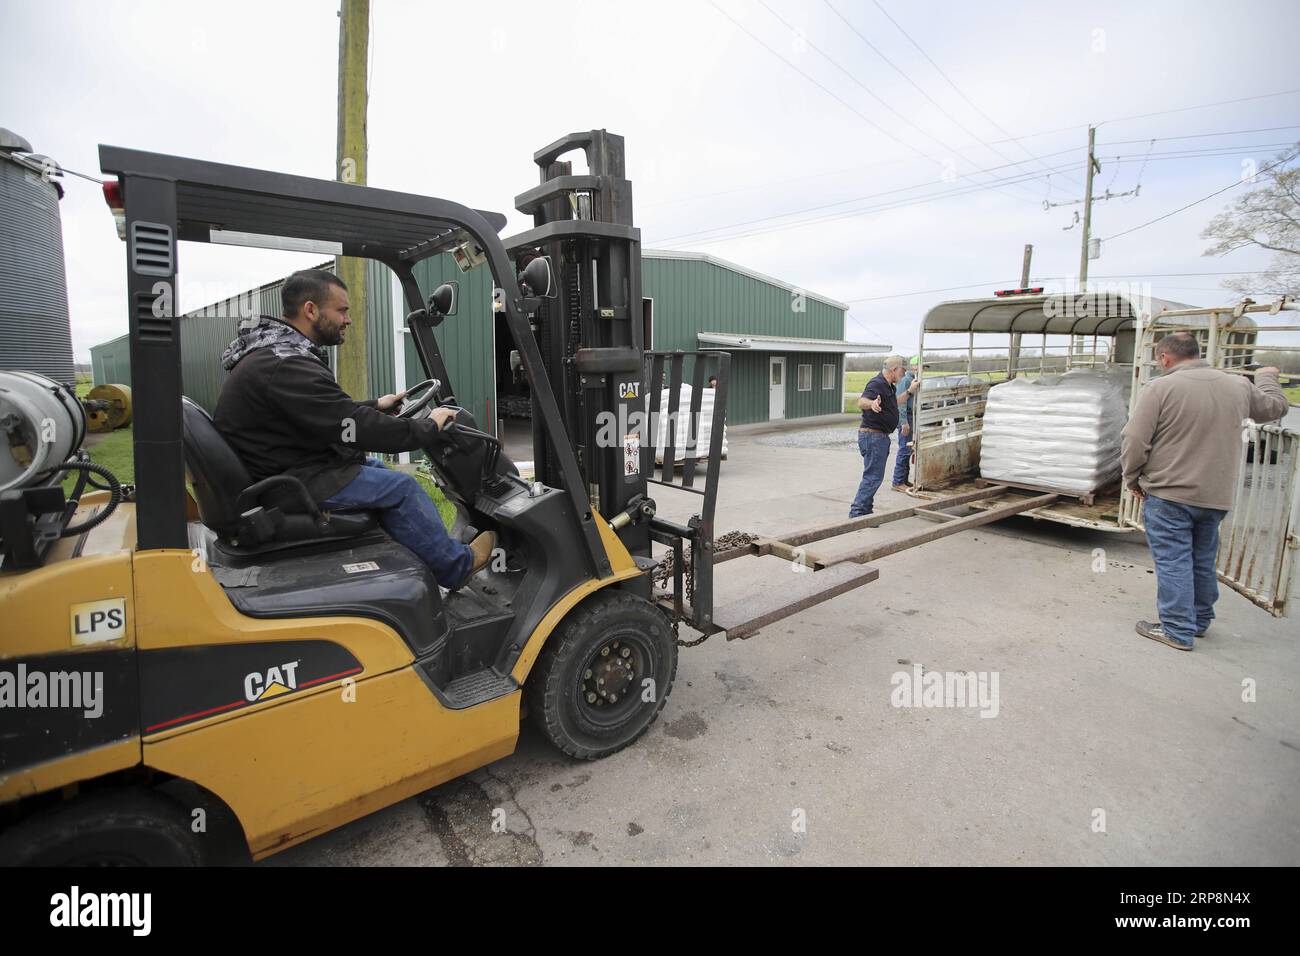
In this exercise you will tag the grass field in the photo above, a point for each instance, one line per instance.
(115, 452)
(855, 382)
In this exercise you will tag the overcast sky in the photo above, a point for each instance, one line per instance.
(743, 121)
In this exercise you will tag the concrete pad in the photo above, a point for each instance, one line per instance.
(1106, 748)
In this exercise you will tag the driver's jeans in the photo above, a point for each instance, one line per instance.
(409, 516)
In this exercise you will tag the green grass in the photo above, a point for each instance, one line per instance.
(855, 382)
(445, 508)
(115, 453)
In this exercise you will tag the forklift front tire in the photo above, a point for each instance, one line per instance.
(603, 676)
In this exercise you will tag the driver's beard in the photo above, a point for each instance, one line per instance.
(331, 336)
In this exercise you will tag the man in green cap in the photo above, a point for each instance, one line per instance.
(906, 389)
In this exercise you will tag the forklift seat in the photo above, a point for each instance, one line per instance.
(248, 517)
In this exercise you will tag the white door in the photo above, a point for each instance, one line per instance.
(776, 388)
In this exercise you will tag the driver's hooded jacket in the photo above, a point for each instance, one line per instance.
(283, 413)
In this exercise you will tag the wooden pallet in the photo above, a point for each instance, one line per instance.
(1085, 497)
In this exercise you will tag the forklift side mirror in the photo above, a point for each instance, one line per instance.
(536, 279)
(443, 300)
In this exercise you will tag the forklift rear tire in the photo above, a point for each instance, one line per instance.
(603, 676)
(124, 828)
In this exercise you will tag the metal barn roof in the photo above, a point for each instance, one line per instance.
(777, 343)
(742, 270)
(1089, 313)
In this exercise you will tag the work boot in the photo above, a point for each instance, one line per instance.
(1157, 633)
(481, 548)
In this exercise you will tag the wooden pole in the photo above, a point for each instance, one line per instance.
(354, 43)
(1013, 355)
(1087, 210)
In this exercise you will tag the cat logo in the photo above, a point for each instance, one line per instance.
(276, 681)
(629, 389)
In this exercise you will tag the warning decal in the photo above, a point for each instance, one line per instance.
(632, 454)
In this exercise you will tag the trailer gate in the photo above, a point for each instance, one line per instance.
(1256, 553)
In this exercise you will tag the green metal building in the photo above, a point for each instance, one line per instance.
(205, 333)
(787, 344)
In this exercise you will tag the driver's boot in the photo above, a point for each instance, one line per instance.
(481, 548)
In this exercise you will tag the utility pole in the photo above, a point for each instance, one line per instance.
(1087, 209)
(354, 44)
(1088, 199)
(1014, 358)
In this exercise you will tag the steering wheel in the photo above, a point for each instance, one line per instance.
(412, 409)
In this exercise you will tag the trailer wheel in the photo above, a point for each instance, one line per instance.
(126, 828)
(603, 676)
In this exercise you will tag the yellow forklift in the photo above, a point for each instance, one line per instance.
(201, 661)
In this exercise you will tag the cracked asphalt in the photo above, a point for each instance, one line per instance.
(788, 748)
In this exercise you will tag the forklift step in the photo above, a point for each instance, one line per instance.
(477, 688)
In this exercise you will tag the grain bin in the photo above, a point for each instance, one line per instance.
(34, 331)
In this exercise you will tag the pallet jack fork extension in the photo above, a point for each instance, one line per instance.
(830, 575)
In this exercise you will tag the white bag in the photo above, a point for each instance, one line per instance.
(1059, 431)
(701, 449)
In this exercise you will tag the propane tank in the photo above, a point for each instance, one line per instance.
(41, 425)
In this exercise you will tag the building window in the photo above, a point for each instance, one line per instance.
(828, 377)
(805, 378)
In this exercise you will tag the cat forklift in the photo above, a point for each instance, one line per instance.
(253, 670)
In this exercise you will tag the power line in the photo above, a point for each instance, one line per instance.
(968, 189)
(1231, 132)
(842, 202)
(839, 99)
(740, 26)
(890, 63)
(894, 162)
(869, 90)
(1002, 282)
(1166, 157)
(776, 182)
(1121, 119)
(948, 79)
(958, 191)
(1197, 202)
(1202, 106)
(833, 62)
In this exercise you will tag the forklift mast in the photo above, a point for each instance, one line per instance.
(589, 332)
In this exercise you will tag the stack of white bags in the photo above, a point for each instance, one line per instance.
(701, 449)
(1059, 431)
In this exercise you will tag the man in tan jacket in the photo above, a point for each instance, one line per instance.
(1180, 455)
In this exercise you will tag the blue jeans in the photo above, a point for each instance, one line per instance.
(1184, 543)
(904, 458)
(875, 452)
(409, 516)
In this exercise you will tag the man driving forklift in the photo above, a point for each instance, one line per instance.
(283, 412)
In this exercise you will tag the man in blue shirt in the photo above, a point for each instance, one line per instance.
(906, 392)
(879, 404)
